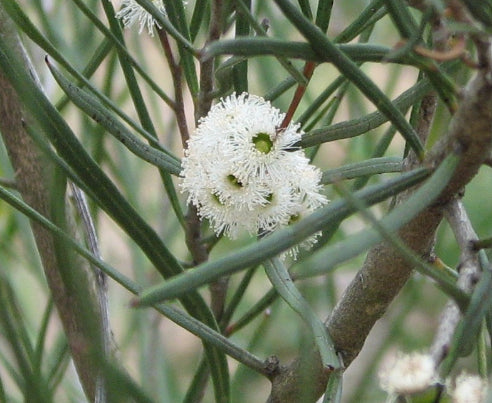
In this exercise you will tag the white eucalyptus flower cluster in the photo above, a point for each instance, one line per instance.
(242, 172)
(132, 13)
(415, 372)
(410, 373)
(469, 389)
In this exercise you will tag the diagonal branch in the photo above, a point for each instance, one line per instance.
(384, 271)
(33, 176)
(469, 273)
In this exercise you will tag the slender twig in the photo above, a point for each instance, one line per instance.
(194, 242)
(101, 283)
(32, 173)
(301, 89)
(218, 289)
(176, 74)
(469, 270)
(207, 66)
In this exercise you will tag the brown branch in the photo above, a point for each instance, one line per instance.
(32, 180)
(300, 90)
(176, 73)
(194, 242)
(218, 289)
(384, 271)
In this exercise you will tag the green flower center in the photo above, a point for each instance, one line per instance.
(294, 218)
(263, 143)
(234, 181)
(217, 199)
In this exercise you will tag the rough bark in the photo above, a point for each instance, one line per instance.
(384, 271)
(32, 176)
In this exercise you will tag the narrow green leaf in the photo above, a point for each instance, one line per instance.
(121, 387)
(481, 10)
(32, 384)
(402, 19)
(199, 12)
(12, 372)
(100, 54)
(131, 80)
(22, 20)
(325, 48)
(68, 146)
(323, 14)
(240, 70)
(174, 32)
(189, 323)
(480, 304)
(369, 16)
(406, 25)
(379, 151)
(224, 75)
(366, 123)
(45, 23)
(3, 396)
(59, 361)
(261, 32)
(306, 8)
(93, 108)
(253, 312)
(194, 392)
(278, 90)
(275, 243)
(324, 260)
(333, 393)
(41, 336)
(176, 14)
(280, 278)
(360, 52)
(120, 46)
(444, 281)
(237, 297)
(357, 169)
(264, 46)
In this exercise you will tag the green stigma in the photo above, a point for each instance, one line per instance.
(217, 199)
(294, 218)
(263, 143)
(234, 181)
(269, 198)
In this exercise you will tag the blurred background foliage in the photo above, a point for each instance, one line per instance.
(159, 355)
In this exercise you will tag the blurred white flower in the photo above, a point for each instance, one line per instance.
(410, 373)
(131, 13)
(242, 172)
(469, 389)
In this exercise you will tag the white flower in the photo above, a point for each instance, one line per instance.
(242, 172)
(411, 373)
(131, 12)
(469, 389)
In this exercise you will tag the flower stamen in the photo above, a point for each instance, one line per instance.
(263, 143)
